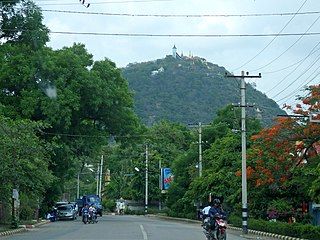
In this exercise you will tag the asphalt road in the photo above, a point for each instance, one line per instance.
(113, 227)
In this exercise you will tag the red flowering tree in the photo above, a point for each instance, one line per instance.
(284, 161)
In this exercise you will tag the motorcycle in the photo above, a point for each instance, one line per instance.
(121, 211)
(215, 229)
(85, 217)
(93, 217)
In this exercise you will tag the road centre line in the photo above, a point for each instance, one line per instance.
(145, 236)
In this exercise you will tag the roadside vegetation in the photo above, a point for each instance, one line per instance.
(60, 111)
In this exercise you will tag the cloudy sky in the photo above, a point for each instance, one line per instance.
(278, 38)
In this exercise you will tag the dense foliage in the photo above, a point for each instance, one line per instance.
(284, 161)
(80, 102)
(190, 90)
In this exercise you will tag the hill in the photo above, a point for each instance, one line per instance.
(189, 90)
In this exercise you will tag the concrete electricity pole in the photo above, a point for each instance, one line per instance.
(100, 176)
(146, 193)
(243, 106)
(200, 125)
(200, 150)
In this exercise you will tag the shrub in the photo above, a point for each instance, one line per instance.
(297, 230)
(109, 205)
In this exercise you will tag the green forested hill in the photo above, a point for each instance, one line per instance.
(189, 90)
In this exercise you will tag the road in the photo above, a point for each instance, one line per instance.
(114, 227)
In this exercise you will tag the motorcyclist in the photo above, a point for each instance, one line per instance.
(205, 212)
(215, 211)
(120, 206)
(83, 210)
(92, 212)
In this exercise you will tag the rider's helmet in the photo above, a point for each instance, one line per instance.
(216, 201)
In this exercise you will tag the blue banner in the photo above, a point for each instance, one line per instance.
(166, 178)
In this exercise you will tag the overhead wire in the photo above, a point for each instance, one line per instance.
(173, 35)
(185, 35)
(98, 3)
(272, 61)
(291, 65)
(300, 63)
(301, 86)
(178, 15)
(309, 67)
(254, 57)
(40, 3)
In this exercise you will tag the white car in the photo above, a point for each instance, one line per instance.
(66, 212)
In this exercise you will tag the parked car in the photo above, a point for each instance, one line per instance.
(66, 212)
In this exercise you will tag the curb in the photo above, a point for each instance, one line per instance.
(22, 228)
(10, 232)
(266, 234)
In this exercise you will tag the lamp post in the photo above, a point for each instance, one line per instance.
(146, 179)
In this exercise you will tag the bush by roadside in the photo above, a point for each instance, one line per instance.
(297, 230)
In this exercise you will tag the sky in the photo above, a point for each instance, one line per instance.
(278, 38)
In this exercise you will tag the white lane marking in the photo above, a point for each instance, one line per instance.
(145, 237)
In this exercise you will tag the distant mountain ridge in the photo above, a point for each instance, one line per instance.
(189, 90)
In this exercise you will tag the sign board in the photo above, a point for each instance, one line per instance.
(166, 178)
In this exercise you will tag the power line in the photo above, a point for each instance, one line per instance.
(179, 15)
(186, 35)
(96, 3)
(299, 88)
(304, 72)
(291, 65)
(272, 61)
(301, 62)
(250, 60)
(175, 35)
(93, 136)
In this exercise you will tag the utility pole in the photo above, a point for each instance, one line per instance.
(243, 106)
(97, 176)
(199, 125)
(146, 193)
(100, 176)
(200, 150)
(78, 186)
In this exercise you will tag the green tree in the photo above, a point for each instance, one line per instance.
(221, 161)
(22, 23)
(83, 102)
(24, 159)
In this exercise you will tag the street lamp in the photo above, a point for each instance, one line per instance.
(146, 181)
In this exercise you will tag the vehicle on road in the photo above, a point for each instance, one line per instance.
(215, 228)
(91, 199)
(85, 216)
(65, 212)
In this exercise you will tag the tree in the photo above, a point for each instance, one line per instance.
(24, 159)
(82, 102)
(22, 23)
(221, 160)
(285, 156)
